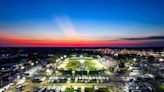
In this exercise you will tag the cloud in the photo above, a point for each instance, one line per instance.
(146, 38)
(67, 27)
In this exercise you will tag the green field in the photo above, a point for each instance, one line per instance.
(160, 87)
(81, 64)
(75, 64)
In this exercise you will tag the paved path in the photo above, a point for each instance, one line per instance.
(29, 86)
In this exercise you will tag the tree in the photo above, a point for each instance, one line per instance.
(85, 55)
(74, 54)
(52, 60)
(151, 59)
(121, 65)
(94, 56)
(55, 57)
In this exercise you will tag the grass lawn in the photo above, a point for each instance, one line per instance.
(159, 87)
(90, 67)
(89, 90)
(69, 90)
(75, 64)
(103, 90)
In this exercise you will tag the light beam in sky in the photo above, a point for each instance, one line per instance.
(67, 27)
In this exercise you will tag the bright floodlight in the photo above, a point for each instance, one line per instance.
(134, 59)
(18, 76)
(161, 59)
(22, 67)
(73, 72)
(3, 68)
(81, 61)
(32, 64)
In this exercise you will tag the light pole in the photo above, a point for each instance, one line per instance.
(22, 69)
(87, 72)
(73, 73)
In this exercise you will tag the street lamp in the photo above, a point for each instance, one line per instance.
(65, 56)
(32, 64)
(81, 61)
(3, 68)
(98, 56)
(22, 67)
(134, 59)
(18, 77)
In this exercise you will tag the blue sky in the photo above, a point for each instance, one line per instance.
(109, 19)
(142, 11)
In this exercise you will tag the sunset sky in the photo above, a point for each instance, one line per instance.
(81, 23)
